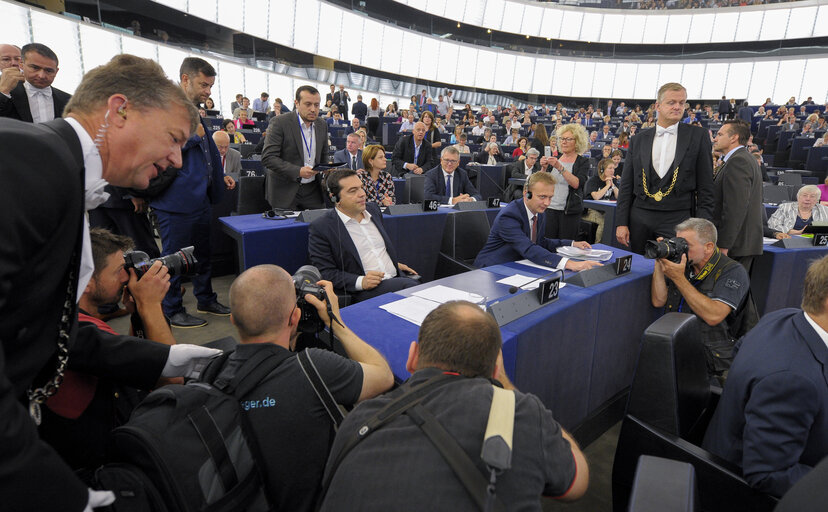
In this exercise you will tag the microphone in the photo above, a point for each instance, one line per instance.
(514, 289)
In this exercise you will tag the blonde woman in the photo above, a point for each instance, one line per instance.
(570, 170)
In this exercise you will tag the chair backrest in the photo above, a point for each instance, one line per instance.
(670, 388)
(790, 178)
(774, 193)
(465, 234)
(415, 186)
(252, 195)
(663, 484)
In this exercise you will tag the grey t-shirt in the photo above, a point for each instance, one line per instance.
(561, 187)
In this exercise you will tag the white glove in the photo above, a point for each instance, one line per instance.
(186, 360)
(99, 499)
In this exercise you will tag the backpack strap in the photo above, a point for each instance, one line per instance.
(238, 378)
(319, 387)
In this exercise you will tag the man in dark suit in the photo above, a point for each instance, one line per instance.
(724, 108)
(183, 210)
(351, 154)
(745, 113)
(341, 99)
(359, 109)
(667, 177)
(517, 231)
(330, 95)
(737, 209)
(230, 159)
(771, 419)
(490, 155)
(33, 99)
(447, 182)
(295, 144)
(45, 260)
(522, 169)
(349, 245)
(410, 154)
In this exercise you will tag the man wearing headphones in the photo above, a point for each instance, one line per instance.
(349, 245)
(517, 231)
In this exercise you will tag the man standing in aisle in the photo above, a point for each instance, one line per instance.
(668, 175)
(29, 95)
(183, 209)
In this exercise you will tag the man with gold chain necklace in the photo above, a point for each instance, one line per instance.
(710, 285)
(668, 175)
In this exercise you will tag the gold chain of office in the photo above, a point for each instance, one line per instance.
(658, 196)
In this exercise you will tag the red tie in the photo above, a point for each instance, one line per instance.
(222, 162)
(534, 229)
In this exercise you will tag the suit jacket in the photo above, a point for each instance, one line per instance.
(746, 114)
(199, 182)
(435, 185)
(232, 163)
(724, 108)
(772, 417)
(343, 156)
(333, 252)
(510, 239)
(518, 170)
(483, 157)
(17, 107)
(39, 239)
(694, 184)
(337, 96)
(404, 154)
(284, 156)
(737, 210)
(360, 110)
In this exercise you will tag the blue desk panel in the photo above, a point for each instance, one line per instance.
(777, 276)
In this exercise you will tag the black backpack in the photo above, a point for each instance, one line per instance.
(194, 443)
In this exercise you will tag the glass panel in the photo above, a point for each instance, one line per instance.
(633, 29)
(350, 48)
(603, 83)
(485, 69)
(447, 67)
(801, 23)
(738, 79)
(678, 27)
(702, 28)
(691, 79)
(750, 23)
(562, 79)
(372, 49)
(775, 24)
(281, 25)
(429, 53)
(391, 48)
(493, 16)
(789, 80)
(715, 78)
(505, 73)
(466, 66)
(551, 26)
(231, 14)
(532, 17)
(305, 39)
(571, 25)
(761, 84)
(655, 29)
(611, 28)
(724, 28)
(646, 82)
(624, 80)
(98, 46)
(582, 79)
(61, 35)
(255, 17)
(512, 19)
(591, 27)
(329, 46)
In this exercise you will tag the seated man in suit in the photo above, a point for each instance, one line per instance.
(448, 183)
(230, 159)
(351, 154)
(349, 244)
(491, 155)
(31, 97)
(411, 155)
(522, 169)
(771, 419)
(517, 231)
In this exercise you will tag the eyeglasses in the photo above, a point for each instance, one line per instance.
(567, 139)
(446, 160)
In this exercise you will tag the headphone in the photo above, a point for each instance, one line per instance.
(122, 110)
(528, 194)
(334, 195)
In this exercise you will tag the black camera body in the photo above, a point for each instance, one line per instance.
(305, 280)
(671, 249)
(179, 263)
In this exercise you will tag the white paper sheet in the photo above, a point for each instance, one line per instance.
(525, 282)
(413, 309)
(531, 264)
(443, 294)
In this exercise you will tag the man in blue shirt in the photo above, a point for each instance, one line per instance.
(261, 104)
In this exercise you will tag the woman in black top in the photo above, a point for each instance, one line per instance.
(602, 185)
(570, 170)
(541, 140)
(432, 136)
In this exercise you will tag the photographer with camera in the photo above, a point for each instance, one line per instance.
(293, 430)
(77, 420)
(703, 281)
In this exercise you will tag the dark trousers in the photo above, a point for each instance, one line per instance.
(387, 286)
(343, 109)
(562, 225)
(650, 224)
(307, 197)
(180, 230)
(126, 223)
(373, 124)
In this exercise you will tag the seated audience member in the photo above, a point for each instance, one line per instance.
(261, 104)
(624, 140)
(771, 420)
(245, 106)
(606, 135)
(78, 419)
(354, 126)
(458, 129)
(408, 124)
(351, 155)
(490, 155)
(461, 145)
(518, 230)
(411, 154)
(432, 136)
(336, 120)
(822, 140)
(349, 244)
(486, 137)
(823, 200)
(236, 104)
(242, 121)
(788, 123)
(593, 139)
(479, 129)
(295, 435)
(710, 285)
(617, 155)
(512, 139)
(523, 168)
(447, 182)
(376, 181)
(230, 159)
(791, 218)
(518, 153)
(602, 185)
(229, 126)
(460, 343)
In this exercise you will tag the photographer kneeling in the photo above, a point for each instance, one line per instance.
(703, 281)
(292, 428)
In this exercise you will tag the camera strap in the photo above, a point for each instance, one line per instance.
(319, 387)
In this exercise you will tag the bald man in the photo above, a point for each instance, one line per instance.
(411, 155)
(10, 73)
(230, 158)
(290, 422)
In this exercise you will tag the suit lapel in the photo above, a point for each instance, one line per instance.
(646, 152)
(814, 342)
(682, 143)
(21, 103)
(348, 247)
(56, 103)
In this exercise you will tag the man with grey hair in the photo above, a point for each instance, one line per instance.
(10, 72)
(522, 169)
(33, 99)
(490, 155)
(410, 154)
(447, 182)
(708, 284)
(289, 420)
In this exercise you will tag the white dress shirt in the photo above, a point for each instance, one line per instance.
(530, 214)
(93, 197)
(41, 103)
(445, 181)
(369, 245)
(664, 149)
(727, 156)
(308, 141)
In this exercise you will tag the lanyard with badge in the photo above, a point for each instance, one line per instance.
(308, 146)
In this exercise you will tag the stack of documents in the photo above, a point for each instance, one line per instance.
(526, 282)
(416, 307)
(581, 254)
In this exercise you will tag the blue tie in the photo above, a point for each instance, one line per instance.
(448, 187)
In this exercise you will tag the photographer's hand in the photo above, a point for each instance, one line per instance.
(321, 307)
(148, 292)
(675, 271)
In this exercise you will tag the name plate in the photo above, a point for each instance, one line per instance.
(548, 290)
(623, 265)
(430, 205)
(821, 239)
(493, 202)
